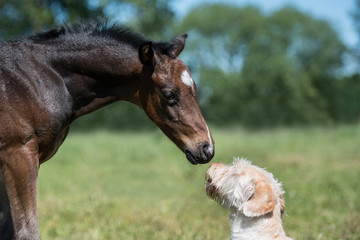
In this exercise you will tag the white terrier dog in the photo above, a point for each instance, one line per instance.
(253, 196)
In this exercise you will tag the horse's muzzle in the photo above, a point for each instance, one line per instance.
(202, 155)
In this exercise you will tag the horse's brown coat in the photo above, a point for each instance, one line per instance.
(50, 79)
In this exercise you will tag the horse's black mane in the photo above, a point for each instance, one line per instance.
(100, 28)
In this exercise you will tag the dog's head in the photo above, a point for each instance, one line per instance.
(245, 188)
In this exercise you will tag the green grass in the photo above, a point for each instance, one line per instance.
(124, 185)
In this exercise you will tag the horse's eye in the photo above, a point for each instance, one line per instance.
(170, 97)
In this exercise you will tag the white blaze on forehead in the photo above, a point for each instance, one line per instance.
(209, 136)
(186, 79)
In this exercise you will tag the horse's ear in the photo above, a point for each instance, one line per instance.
(146, 54)
(179, 43)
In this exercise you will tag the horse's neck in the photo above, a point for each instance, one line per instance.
(97, 75)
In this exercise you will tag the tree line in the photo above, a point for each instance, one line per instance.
(252, 68)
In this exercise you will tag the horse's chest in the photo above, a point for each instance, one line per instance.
(50, 130)
(16, 131)
(45, 125)
(52, 126)
(49, 143)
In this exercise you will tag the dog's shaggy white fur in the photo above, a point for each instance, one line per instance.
(254, 197)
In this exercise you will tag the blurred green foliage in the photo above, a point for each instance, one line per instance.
(252, 68)
(27, 16)
(356, 19)
(281, 65)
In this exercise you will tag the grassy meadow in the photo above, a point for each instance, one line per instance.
(138, 185)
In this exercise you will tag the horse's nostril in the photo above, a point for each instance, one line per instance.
(208, 151)
(201, 155)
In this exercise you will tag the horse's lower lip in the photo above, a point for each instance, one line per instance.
(190, 157)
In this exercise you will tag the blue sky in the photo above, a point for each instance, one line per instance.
(337, 12)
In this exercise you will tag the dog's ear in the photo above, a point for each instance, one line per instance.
(261, 202)
(282, 205)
